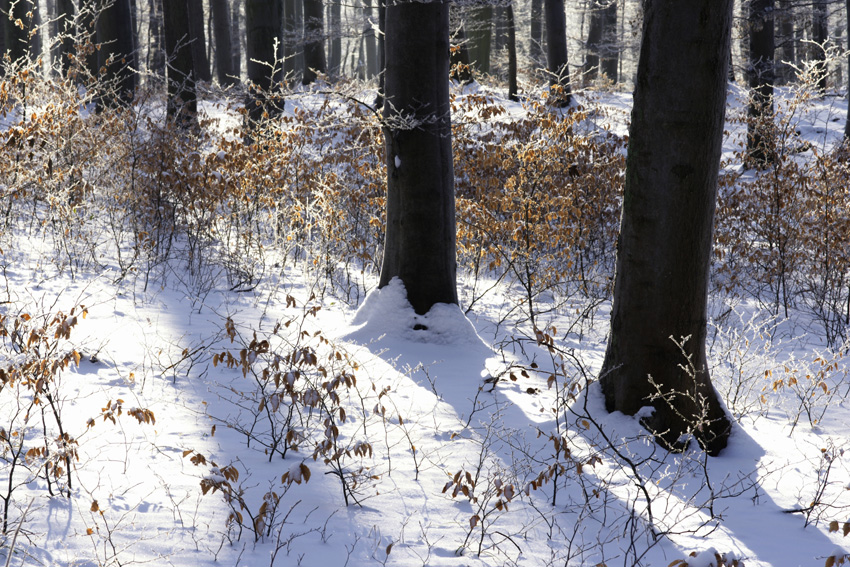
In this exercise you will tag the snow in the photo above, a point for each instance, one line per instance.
(437, 396)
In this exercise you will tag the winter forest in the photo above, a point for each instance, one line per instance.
(532, 283)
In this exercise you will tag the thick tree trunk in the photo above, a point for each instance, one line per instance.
(314, 41)
(420, 235)
(761, 79)
(512, 63)
(556, 51)
(594, 40)
(199, 40)
(182, 101)
(610, 42)
(117, 54)
(664, 247)
(223, 44)
(262, 27)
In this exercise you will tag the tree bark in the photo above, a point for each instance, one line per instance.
(761, 78)
(15, 35)
(420, 234)
(236, 35)
(66, 32)
(199, 40)
(480, 36)
(535, 49)
(291, 39)
(371, 44)
(460, 60)
(820, 35)
(512, 63)
(664, 247)
(787, 43)
(556, 51)
(223, 44)
(156, 39)
(182, 101)
(314, 40)
(262, 27)
(610, 41)
(847, 117)
(117, 54)
(335, 31)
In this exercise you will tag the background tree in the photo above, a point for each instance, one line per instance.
(314, 41)
(182, 99)
(820, 35)
(479, 20)
(602, 42)
(420, 236)
(262, 27)
(223, 45)
(16, 26)
(556, 49)
(535, 45)
(335, 32)
(117, 53)
(199, 40)
(236, 36)
(65, 33)
(291, 38)
(760, 26)
(664, 249)
(512, 61)
(156, 39)
(847, 116)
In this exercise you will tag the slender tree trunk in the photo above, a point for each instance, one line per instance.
(156, 45)
(335, 32)
(610, 42)
(512, 63)
(480, 34)
(117, 54)
(556, 51)
(420, 235)
(314, 50)
(535, 50)
(382, 52)
(223, 44)
(761, 79)
(182, 101)
(787, 41)
(664, 247)
(199, 40)
(847, 118)
(594, 41)
(371, 44)
(236, 29)
(820, 35)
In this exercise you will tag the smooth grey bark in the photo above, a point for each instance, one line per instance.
(512, 62)
(117, 53)
(314, 41)
(786, 43)
(156, 39)
(420, 244)
(820, 35)
(480, 36)
(556, 49)
(535, 49)
(223, 44)
(262, 27)
(370, 40)
(335, 32)
(664, 247)
(761, 77)
(182, 104)
(199, 40)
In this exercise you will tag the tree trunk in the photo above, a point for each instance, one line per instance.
(65, 28)
(847, 117)
(420, 235)
(820, 35)
(262, 27)
(664, 247)
(335, 31)
(535, 50)
(761, 78)
(314, 40)
(594, 40)
(35, 39)
(556, 51)
(236, 35)
(371, 44)
(785, 69)
(382, 51)
(117, 54)
(512, 64)
(480, 35)
(182, 102)
(223, 44)
(291, 40)
(156, 41)
(199, 40)
(610, 42)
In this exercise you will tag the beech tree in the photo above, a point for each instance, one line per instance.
(117, 53)
(556, 49)
(223, 46)
(420, 233)
(263, 25)
(314, 39)
(761, 77)
(182, 100)
(656, 347)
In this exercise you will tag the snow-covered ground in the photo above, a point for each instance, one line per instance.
(379, 437)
